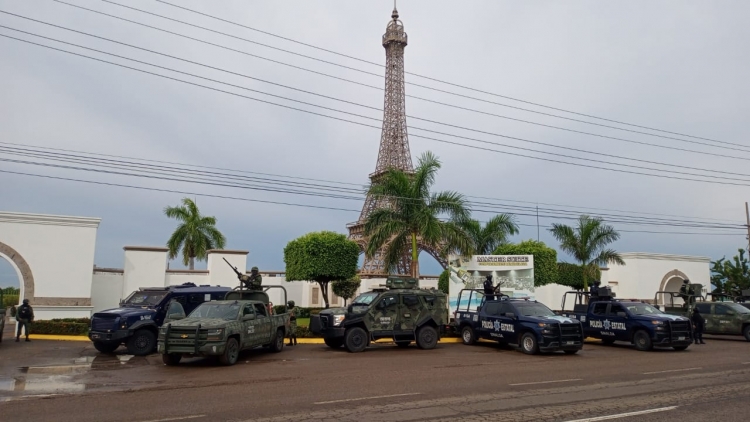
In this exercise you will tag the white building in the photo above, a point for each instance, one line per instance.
(54, 257)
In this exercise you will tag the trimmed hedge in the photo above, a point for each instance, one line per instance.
(61, 326)
(571, 275)
(545, 259)
(303, 312)
(9, 300)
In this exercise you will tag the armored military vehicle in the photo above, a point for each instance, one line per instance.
(628, 320)
(727, 318)
(401, 311)
(519, 322)
(136, 322)
(241, 321)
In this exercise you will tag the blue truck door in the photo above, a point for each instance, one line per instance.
(618, 325)
(595, 324)
(487, 321)
(505, 324)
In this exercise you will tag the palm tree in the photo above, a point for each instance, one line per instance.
(494, 233)
(195, 235)
(587, 243)
(414, 212)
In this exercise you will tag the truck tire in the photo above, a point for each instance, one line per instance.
(427, 337)
(642, 341)
(105, 347)
(231, 352)
(171, 359)
(355, 340)
(746, 332)
(468, 336)
(334, 343)
(529, 345)
(278, 341)
(142, 343)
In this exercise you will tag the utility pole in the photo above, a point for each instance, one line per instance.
(747, 216)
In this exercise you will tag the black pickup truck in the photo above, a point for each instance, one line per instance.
(520, 322)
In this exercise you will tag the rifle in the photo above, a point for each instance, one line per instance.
(239, 275)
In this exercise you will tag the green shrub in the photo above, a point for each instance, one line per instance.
(66, 326)
(545, 259)
(303, 312)
(9, 300)
(571, 275)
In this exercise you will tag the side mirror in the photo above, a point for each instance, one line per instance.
(248, 317)
(622, 315)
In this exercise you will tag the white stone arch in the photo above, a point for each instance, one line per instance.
(23, 271)
(671, 282)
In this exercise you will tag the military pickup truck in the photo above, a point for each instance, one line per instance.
(726, 318)
(401, 311)
(519, 322)
(632, 321)
(223, 328)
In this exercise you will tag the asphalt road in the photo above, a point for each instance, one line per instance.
(69, 381)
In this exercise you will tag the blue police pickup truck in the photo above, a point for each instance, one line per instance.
(519, 322)
(136, 322)
(632, 321)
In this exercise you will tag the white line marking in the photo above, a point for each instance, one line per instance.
(670, 370)
(746, 363)
(367, 398)
(546, 382)
(622, 415)
(176, 418)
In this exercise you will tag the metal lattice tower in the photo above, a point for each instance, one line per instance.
(394, 143)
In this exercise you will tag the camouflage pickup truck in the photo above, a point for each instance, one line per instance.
(222, 328)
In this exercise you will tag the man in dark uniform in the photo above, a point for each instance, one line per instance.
(293, 311)
(254, 280)
(594, 290)
(24, 316)
(489, 289)
(686, 293)
(698, 322)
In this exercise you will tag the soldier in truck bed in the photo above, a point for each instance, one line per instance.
(252, 281)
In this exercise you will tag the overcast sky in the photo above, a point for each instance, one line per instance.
(676, 66)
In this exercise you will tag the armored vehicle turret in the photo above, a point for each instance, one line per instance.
(402, 311)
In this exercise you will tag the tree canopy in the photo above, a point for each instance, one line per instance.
(571, 275)
(321, 257)
(196, 234)
(414, 213)
(587, 242)
(346, 288)
(545, 259)
(486, 238)
(443, 285)
(731, 276)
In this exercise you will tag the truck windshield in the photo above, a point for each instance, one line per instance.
(145, 298)
(534, 309)
(365, 298)
(215, 310)
(643, 309)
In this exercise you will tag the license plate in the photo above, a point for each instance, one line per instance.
(569, 342)
(95, 336)
(680, 338)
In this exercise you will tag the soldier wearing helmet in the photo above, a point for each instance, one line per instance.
(24, 316)
(252, 281)
(293, 311)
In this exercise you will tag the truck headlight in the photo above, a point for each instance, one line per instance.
(215, 334)
(657, 322)
(337, 320)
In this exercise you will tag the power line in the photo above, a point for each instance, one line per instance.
(378, 88)
(413, 135)
(287, 203)
(362, 185)
(170, 171)
(423, 76)
(358, 104)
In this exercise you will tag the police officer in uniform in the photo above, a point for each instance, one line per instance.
(293, 311)
(594, 290)
(24, 316)
(254, 280)
(698, 323)
(489, 289)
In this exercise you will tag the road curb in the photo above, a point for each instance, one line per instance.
(57, 337)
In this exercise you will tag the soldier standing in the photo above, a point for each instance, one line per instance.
(292, 322)
(489, 289)
(594, 291)
(254, 280)
(686, 292)
(24, 316)
(698, 322)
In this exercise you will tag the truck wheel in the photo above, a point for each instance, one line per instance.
(171, 359)
(427, 337)
(529, 344)
(746, 332)
(278, 341)
(142, 343)
(231, 352)
(355, 340)
(106, 347)
(467, 335)
(642, 341)
(334, 343)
